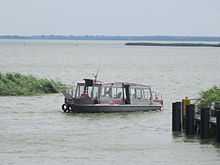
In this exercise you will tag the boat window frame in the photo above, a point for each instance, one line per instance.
(102, 89)
(145, 93)
(117, 91)
(80, 89)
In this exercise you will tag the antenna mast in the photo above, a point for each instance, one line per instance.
(96, 75)
(94, 82)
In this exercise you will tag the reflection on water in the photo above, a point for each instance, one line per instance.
(35, 130)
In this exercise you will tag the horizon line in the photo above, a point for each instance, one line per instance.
(100, 35)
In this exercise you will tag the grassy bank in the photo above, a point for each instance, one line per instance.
(208, 96)
(172, 44)
(16, 84)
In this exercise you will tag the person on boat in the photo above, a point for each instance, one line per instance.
(107, 92)
(119, 95)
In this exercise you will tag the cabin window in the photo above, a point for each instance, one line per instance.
(133, 93)
(106, 92)
(117, 93)
(146, 93)
(139, 93)
(80, 90)
(93, 92)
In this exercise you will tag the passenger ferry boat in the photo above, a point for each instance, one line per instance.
(92, 96)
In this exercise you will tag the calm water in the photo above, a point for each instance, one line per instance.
(34, 130)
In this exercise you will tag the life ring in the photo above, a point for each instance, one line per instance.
(111, 101)
(84, 96)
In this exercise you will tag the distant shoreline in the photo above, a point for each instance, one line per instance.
(119, 38)
(172, 44)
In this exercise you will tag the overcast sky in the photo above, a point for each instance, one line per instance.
(110, 17)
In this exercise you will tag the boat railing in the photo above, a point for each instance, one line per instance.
(69, 90)
(157, 95)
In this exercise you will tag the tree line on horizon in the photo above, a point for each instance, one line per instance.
(103, 37)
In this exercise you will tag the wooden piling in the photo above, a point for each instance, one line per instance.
(190, 115)
(204, 123)
(218, 125)
(176, 116)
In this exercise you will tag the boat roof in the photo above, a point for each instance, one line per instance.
(98, 82)
(127, 83)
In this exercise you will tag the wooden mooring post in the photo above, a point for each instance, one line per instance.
(218, 125)
(176, 116)
(190, 119)
(205, 124)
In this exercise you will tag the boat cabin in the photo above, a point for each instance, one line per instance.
(113, 93)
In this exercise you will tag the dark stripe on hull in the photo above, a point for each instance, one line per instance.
(112, 108)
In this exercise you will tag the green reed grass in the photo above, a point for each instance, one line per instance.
(16, 84)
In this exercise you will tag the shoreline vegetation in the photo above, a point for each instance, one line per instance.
(16, 84)
(172, 44)
(208, 96)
